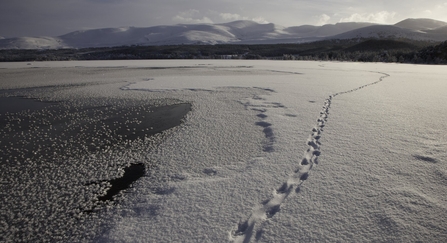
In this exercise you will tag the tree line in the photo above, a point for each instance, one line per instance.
(355, 50)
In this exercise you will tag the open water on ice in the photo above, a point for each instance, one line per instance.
(267, 151)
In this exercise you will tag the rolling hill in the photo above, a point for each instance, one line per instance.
(237, 32)
(420, 24)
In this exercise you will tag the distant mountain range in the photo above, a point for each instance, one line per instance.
(237, 32)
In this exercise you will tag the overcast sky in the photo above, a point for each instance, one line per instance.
(57, 17)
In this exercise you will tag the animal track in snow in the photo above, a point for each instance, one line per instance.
(249, 227)
(262, 116)
(210, 171)
(286, 72)
(425, 158)
(260, 105)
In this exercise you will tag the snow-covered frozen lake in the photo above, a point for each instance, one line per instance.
(267, 151)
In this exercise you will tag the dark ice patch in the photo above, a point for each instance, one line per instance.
(17, 104)
(131, 174)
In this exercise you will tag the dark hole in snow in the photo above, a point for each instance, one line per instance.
(259, 109)
(283, 189)
(304, 161)
(304, 176)
(425, 158)
(210, 171)
(242, 227)
(273, 210)
(268, 133)
(262, 116)
(131, 174)
(164, 191)
(263, 124)
(259, 235)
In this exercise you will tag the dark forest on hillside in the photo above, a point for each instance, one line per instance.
(356, 50)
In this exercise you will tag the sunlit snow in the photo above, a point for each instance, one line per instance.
(271, 151)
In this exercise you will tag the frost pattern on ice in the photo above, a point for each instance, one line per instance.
(246, 228)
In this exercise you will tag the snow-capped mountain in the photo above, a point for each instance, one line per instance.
(420, 24)
(326, 30)
(388, 32)
(414, 29)
(33, 43)
(237, 32)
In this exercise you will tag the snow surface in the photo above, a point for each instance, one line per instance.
(246, 165)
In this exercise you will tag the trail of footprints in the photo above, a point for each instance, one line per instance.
(245, 229)
(260, 105)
